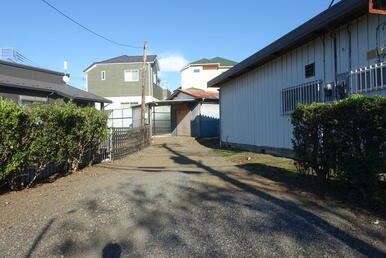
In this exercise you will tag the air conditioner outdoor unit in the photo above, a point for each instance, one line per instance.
(377, 6)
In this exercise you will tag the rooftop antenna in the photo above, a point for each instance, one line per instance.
(66, 78)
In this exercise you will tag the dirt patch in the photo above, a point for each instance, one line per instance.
(283, 171)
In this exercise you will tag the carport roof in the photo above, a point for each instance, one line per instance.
(167, 102)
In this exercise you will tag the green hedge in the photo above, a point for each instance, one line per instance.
(35, 136)
(345, 140)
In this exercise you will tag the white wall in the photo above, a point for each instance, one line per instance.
(210, 110)
(190, 79)
(251, 103)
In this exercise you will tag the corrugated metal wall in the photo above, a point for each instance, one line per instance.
(251, 103)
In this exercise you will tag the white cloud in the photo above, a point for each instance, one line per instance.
(171, 62)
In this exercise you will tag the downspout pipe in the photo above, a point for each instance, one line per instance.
(219, 126)
(349, 47)
(200, 120)
(335, 56)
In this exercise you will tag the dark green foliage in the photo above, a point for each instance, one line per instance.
(345, 139)
(36, 136)
(14, 139)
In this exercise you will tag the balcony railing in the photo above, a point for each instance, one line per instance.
(368, 79)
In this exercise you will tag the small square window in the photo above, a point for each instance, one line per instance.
(131, 75)
(103, 75)
(196, 70)
(28, 100)
(309, 70)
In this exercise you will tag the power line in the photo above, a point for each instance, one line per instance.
(25, 59)
(332, 2)
(89, 30)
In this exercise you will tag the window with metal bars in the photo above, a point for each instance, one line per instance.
(306, 93)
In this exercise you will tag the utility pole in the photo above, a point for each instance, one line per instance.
(143, 84)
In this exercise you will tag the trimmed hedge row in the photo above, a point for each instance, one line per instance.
(345, 140)
(35, 136)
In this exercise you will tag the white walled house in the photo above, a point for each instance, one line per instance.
(197, 74)
(335, 54)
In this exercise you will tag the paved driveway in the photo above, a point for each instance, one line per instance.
(178, 199)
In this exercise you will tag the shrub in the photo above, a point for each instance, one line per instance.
(14, 138)
(40, 135)
(346, 138)
(83, 130)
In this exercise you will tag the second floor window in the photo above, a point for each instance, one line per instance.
(131, 75)
(196, 70)
(103, 75)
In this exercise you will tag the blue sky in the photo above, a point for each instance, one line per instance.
(177, 31)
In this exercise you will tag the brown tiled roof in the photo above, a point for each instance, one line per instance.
(198, 94)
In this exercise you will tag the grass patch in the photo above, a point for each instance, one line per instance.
(283, 170)
(243, 157)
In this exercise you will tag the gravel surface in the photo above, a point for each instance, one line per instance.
(178, 199)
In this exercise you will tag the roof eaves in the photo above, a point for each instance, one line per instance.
(57, 91)
(104, 100)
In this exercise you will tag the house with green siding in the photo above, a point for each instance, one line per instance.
(119, 79)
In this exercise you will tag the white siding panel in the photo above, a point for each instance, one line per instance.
(343, 50)
(318, 58)
(362, 41)
(373, 22)
(210, 110)
(328, 58)
(248, 125)
(251, 103)
(354, 44)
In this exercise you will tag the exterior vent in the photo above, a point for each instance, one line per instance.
(309, 70)
(377, 6)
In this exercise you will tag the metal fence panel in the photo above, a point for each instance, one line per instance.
(125, 141)
(368, 79)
